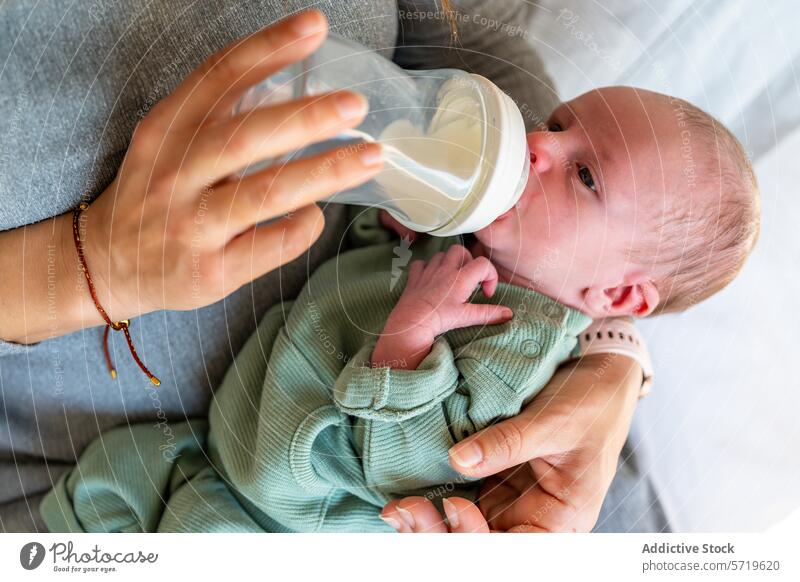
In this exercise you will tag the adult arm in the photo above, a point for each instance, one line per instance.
(171, 231)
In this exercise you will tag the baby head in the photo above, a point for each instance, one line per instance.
(638, 204)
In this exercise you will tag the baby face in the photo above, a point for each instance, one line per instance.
(601, 174)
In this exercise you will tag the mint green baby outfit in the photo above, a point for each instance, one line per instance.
(304, 434)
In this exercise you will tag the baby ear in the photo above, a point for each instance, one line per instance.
(636, 297)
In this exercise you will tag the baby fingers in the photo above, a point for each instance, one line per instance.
(482, 314)
(480, 271)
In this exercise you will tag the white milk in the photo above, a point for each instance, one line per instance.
(428, 173)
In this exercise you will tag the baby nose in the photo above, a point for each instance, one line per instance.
(541, 157)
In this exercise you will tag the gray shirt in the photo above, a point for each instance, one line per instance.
(75, 79)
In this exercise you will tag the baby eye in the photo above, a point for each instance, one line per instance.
(585, 176)
(554, 127)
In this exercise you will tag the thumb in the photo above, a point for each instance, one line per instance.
(506, 444)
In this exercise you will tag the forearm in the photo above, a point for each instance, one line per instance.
(612, 381)
(42, 290)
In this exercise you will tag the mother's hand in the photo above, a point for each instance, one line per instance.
(171, 232)
(550, 467)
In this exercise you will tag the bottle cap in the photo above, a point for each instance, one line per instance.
(505, 165)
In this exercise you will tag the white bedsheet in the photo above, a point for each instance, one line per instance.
(720, 435)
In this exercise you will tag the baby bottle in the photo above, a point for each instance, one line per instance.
(454, 148)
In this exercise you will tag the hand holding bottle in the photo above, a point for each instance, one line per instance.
(173, 230)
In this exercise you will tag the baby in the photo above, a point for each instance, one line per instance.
(352, 394)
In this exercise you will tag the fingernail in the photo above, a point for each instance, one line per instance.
(407, 517)
(371, 156)
(451, 512)
(391, 522)
(508, 314)
(308, 23)
(467, 454)
(349, 104)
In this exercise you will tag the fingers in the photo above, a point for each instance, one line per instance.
(545, 496)
(413, 515)
(456, 256)
(483, 314)
(470, 272)
(433, 264)
(526, 529)
(280, 189)
(450, 277)
(532, 515)
(210, 90)
(464, 516)
(419, 515)
(266, 132)
(481, 270)
(261, 249)
(504, 445)
(556, 422)
(540, 509)
(415, 270)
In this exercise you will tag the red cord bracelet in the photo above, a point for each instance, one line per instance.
(122, 325)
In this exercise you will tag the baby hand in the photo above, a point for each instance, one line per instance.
(436, 297)
(436, 300)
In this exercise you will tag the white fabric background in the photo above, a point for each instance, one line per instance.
(720, 434)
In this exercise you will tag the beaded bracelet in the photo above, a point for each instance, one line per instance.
(122, 325)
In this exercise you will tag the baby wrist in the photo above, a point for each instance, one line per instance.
(401, 350)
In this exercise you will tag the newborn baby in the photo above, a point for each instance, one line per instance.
(352, 394)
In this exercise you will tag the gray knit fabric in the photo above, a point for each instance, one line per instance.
(75, 79)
